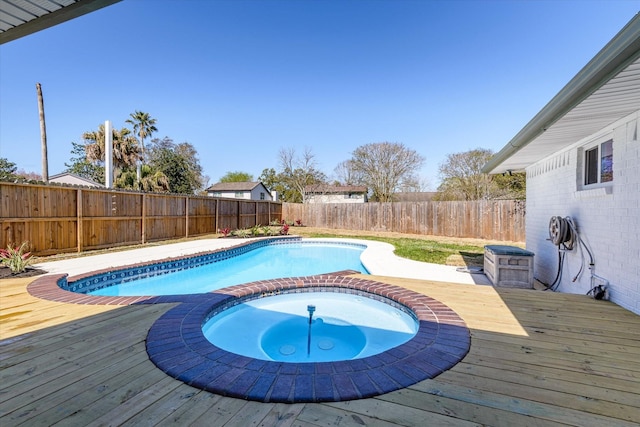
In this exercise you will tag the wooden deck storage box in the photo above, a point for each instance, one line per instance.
(508, 266)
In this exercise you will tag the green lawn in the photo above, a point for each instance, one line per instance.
(419, 249)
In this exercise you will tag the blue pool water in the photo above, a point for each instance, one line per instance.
(343, 327)
(267, 262)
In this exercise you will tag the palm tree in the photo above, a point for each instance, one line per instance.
(125, 147)
(143, 126)
(151, 181)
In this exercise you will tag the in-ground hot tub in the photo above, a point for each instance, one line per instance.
(176, 343)
(318, 326)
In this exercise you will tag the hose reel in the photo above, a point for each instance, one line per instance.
(562, 231)
(564, 234)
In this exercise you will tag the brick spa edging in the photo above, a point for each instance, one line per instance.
(177, 345)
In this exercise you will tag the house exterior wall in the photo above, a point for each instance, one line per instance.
(335, 198)
(256, 192)
(607, 218)
(245, 195)
(231, 194)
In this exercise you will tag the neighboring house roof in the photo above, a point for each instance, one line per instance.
(334, 189)
(604, 91)
(73, 179)
(23, 17)
(235, 186)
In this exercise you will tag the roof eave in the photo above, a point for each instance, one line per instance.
(622, 50)
(50, 19)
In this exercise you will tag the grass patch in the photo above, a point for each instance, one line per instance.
(419, 249)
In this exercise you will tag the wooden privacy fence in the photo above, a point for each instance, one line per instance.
(56, 219)
(502, 220)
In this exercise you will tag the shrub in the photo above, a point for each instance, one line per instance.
(284, 230)
(15, 258)
(267, 230)
(241, 232)
(256, 230)
(224, 231)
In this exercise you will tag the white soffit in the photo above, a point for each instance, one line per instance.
(602, 105)
(613, 101)
(19, 18)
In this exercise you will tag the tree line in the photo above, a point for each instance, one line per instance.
(163, 166)
(384, 168)
(387, 169)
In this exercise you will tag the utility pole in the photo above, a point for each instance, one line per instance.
(43, 135)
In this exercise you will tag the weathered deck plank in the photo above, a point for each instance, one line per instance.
(536, 358)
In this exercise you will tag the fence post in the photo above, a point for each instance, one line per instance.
(255, 208)
(186, 214)
(79, 225)
(143, 216)
(217, 219)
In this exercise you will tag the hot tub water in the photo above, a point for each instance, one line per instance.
(310, 327)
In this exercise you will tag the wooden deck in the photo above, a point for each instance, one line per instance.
(537, 358)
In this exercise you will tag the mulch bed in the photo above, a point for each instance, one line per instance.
(6, 273)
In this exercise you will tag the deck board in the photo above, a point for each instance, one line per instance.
(536, 358)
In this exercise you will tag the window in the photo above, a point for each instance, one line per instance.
(598, 163)
(261, 196)
(239, 194)
(217, 194)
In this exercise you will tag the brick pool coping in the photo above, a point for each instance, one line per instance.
(56, 287)
(176, 343)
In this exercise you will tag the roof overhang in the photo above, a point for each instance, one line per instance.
(604, 91)
(19, 18)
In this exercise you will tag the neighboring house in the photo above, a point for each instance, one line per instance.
(335, 194)
(581, 154)
(240, 190)
(73, 179)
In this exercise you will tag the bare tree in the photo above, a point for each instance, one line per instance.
(346, 174)
(299, 172)
(386, 167)
(462, 178)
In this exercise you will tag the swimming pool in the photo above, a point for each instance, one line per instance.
(177, 345)
(261, 260)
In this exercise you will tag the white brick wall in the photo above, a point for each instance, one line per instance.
(608, 221)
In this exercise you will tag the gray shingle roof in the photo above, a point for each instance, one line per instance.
(234, 186)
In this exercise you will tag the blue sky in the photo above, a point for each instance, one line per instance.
(240, 80)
